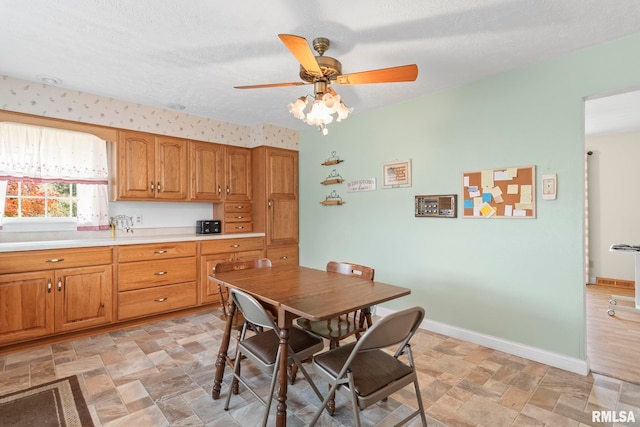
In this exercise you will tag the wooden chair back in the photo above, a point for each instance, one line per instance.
(351, 269)
(222, 267)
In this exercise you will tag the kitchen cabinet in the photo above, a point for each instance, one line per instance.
(275, 201)
(156, 278)
(214, 251)
(149, 167)
(283, 254)
(237, 217)
(52, 291)
(219, 172)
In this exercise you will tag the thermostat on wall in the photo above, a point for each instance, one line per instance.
(549, 186)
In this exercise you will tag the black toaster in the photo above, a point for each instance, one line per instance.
(207, 226)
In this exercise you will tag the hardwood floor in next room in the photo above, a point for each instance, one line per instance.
(613, 342)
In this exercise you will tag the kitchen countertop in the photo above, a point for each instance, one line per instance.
(30, 241)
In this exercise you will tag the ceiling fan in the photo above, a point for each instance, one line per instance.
(322, 71)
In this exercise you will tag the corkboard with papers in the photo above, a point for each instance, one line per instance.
(500, 193)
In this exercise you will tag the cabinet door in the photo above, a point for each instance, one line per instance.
(83, 297)
(207, 171)
(27, 306)
(208, 289)
(282, 194)
(237, 173)
(135, 165)
(171, 168)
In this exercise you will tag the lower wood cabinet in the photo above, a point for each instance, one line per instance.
(214, 251)
(283, 255)
(156, 278)
(40, 298)
(50, 292)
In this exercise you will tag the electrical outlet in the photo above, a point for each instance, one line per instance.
(138, 219)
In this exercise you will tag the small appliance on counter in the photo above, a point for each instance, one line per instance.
(207, 226)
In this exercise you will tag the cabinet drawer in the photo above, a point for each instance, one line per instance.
(237, 217)
(231, 245)
(237, 207)
(146, 274)
(283, 255)
(15, 262)
(238, 227)
(143, 302)
(127, 253)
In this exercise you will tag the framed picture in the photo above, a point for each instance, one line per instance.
(396, 174)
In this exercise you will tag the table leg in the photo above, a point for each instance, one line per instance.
(221, 361)
(281, 414)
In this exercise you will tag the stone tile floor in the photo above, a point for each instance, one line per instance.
(160, 374)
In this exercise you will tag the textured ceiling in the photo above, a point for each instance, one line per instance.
(192, 52)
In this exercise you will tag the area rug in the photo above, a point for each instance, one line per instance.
(58, 403)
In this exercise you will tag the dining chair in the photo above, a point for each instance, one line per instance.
(238, 318)
(263, 348)
(346, 325)
(366, 372)
(223, 267)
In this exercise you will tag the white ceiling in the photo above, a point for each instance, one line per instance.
(612, 114)
(192, 52)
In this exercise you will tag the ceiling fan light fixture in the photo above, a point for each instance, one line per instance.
(322, 110)
(321, 71)
(343, 111)
(319, 114)
(297, 108)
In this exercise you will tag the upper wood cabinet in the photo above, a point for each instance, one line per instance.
(149, 167)
(219, 172)
(275, 207)
(206, 171)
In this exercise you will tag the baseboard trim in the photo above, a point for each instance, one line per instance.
(556, 360)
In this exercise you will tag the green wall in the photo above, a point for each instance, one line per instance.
(519, 280)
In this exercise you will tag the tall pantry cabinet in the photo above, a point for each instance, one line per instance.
(275, 200)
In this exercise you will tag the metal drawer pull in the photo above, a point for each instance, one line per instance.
(49, 285)
(235, 246)
(160, 273)
(240, 227)
(159, 252)
(60, 284)
(239, 207)
(161, 299)
(54, 260)
(284, 257)
(239, 217)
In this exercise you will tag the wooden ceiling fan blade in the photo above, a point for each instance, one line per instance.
(271, 85)
(403, 73)
(303, 53)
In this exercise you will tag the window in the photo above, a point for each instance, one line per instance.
(52, 175)
(30, 199)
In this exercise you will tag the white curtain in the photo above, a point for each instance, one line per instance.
(55, 155)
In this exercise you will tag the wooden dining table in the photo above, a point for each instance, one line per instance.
(295, 291)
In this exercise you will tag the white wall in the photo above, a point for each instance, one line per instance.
(614, 203)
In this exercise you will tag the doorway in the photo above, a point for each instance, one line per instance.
(612, 148)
